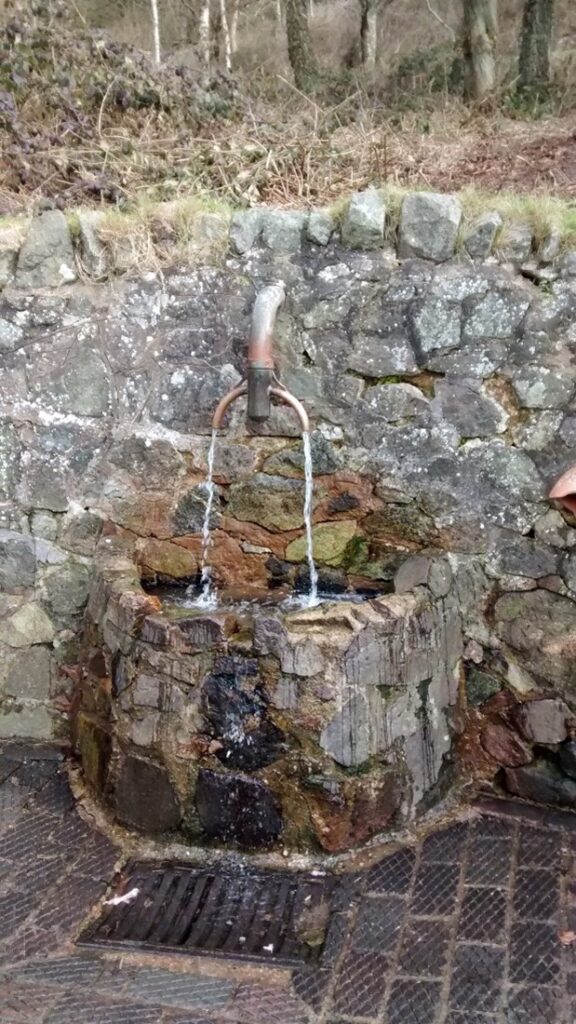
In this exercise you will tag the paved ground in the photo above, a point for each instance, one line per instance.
(471, 926)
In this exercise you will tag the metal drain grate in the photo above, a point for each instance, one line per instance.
(265, 916)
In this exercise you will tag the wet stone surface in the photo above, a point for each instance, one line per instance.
(469, 924)
(237, 809)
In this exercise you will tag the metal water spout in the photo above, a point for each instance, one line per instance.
(564, 490)
(261, 383)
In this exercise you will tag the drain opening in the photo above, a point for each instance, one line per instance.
(269, 916)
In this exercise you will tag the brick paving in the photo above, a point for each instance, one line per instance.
(470, 925)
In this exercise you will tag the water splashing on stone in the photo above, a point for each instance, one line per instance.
(313, 592)
(208, 597)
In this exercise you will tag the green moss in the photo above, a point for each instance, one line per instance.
(73, 222)
(356, 554)
(332, 543)
(339, 209)
(480, 686)
(94, 748)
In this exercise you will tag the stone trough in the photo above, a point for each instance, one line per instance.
(315, 728)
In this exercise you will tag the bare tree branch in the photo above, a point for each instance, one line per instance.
(441, 20)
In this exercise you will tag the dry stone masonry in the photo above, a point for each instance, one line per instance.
(438, 370)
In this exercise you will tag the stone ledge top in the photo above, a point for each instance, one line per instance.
(53, 249)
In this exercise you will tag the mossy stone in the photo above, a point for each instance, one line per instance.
(480, 686)
(330, 540)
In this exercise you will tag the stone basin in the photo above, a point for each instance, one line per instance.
(178, 600)
(311, 728)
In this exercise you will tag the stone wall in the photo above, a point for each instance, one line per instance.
(441, 384)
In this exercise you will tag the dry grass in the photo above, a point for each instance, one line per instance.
(290, 150)
(318, 155)
(150, 236)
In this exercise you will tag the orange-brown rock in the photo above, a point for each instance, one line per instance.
(485, 737)
(232, 566)
(397, 526)
(505, 746)
(169, 559)
(345, 496)
(474, 762)
(148, 515)
(345, 814)
(133, 609)
(257, 536)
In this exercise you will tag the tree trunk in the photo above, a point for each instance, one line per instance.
(368, 32)
(190, 22)
(155, 30)
(480, 36)
(300, 53)
(225, 30)
(234, 26)
(204, 32)
(536, 38)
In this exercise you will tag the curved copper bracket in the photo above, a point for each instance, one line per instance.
(289, 399)
(224, 403)
(278, 391)
(564, 490)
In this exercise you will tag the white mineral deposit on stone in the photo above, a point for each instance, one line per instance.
(66, 273)
(115, 901)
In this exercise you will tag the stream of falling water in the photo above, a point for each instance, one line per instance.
(308, 485)
(208, 597)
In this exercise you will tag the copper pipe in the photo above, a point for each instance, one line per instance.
(266, 306)
(224, 403)
(276, 392)
(260, 365)
(285, 396)
(564, 490)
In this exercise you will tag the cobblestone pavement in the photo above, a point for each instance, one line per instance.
(472, 925)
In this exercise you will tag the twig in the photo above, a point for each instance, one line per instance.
(102, 105)
(441, 20)
(302, 94)
(79, 13)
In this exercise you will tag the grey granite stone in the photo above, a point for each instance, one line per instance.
(429, 224)
(363, 222)
(46, 258)
(480, 237)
